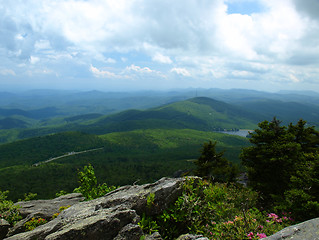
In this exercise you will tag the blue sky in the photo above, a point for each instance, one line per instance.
(114, 45)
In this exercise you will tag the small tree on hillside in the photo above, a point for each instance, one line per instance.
(89, 186)
(211, 164)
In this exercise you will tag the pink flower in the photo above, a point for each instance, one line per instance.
(278, 220)
(261, 235)
(273, 215)
(250, 235)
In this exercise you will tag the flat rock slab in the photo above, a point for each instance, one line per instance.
(48, 207)
(308, 230)
(42, 209)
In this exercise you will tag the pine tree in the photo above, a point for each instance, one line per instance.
(211, 164)
(282, 164)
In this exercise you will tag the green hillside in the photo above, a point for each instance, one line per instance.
(204, 114)
(285, 111)
(126, 157)
(30, 151)
(133, 145)
(9, 122)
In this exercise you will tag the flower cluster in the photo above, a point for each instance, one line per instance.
(251, 225)
(33, 223)
(272, 217)
(259, 235)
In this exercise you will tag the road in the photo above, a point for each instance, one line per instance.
(65, 155)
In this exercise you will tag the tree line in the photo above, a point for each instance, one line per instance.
(282, 166)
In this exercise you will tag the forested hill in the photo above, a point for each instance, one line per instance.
(120, 158)
(132, 145)
(285, 111)
(41, 112)
(201, 113)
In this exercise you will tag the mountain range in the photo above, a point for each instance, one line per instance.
(128, 137)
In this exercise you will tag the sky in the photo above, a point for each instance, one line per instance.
(114, 45)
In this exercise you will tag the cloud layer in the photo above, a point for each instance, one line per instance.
(139, 44)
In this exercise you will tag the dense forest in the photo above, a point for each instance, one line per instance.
(125, 157)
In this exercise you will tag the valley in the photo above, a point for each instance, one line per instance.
(128, 138)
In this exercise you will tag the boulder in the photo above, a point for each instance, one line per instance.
(308, 230)
(48, 207)
(4, 228)
(43, 209)
(154, 236)
(113, 216)
(191, 237)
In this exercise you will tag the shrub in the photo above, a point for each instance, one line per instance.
(33, 223)
(29, 196)
(217, 211)
(88, 184)
(251, 224)
(8, 210)
(61, 193)
(62, 208)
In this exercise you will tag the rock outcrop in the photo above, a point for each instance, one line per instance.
(43, 209)
(308, 230)
(114, 216)
(192, 237)
(48, 207)
(4, 228)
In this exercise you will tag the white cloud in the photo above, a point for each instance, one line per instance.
(42, 45)
(242, 74)
(102, 73)
(110, 60)
(181, 71)
(158, 57)
(6, 72)
(200, 37)
(139, 69)
(293, 78)
(34, 60)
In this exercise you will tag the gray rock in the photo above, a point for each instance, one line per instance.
(114, 216)
(19, 226)
(48, 207)
(191, 237)
(43, 209)
(4, 228)
(130, 231)
(308, 230)
(154, 236)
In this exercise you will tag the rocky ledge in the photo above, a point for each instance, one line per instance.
(115, 216)
(308, 230)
